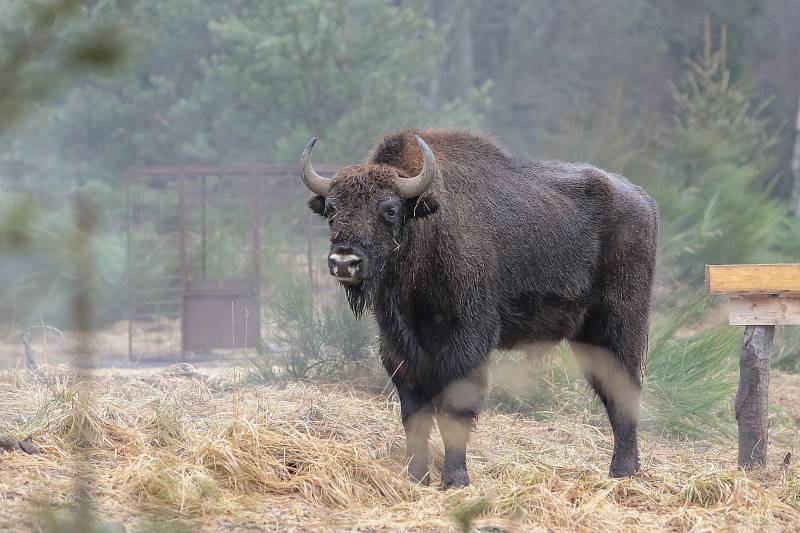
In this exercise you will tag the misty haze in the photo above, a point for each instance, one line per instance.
(399, 265)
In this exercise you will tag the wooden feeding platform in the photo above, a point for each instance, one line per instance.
(762, 296)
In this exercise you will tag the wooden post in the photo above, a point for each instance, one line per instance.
(752, 396)
(762, 296)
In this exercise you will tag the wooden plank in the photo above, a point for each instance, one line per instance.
(764, 311)
(751, 398)
(753, 279)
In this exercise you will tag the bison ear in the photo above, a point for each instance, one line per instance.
(317, 205)
(422, 206)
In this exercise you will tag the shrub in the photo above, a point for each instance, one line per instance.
(690, 378)
(313, 341)
(786, 348)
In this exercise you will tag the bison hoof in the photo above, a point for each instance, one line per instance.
(623, 468)
(455, 479)
(422, 477)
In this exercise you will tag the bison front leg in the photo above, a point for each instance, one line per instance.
(457, 412)
(417, 417)
(455, 428)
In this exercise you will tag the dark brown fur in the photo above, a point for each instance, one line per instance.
(500, 252)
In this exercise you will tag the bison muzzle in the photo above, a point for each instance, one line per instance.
(459, 248)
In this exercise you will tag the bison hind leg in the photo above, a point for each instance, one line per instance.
(609, 352)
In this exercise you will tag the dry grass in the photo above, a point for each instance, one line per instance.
(319, 458)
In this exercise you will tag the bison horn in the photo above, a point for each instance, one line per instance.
(416, 186)
(318, 184)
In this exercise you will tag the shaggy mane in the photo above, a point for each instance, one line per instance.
(400, 150)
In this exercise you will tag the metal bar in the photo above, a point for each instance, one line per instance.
(154, 301)
(150, 316)
(129, 265)
(183, 266)
(168, 278)
(203, 230)
(159, 289)
(257, 254)
(146, 303)
(310, 256)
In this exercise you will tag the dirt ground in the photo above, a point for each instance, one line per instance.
(109, 349)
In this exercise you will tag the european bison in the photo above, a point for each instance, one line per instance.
(459, 248)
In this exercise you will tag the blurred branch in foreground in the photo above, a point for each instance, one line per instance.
(44, 44)
(796, 162)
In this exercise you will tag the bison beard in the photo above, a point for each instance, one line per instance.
(359, 298)
(461, 248)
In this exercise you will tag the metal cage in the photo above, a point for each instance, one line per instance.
(194, 254)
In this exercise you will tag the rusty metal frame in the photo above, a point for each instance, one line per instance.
(261, 176)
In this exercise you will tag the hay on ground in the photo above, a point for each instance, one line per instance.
(317, 458)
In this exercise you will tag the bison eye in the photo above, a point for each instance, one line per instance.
(389, 209)
(329, 209)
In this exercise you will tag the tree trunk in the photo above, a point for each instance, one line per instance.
(751, 398)
(457, 74)
(462, 51)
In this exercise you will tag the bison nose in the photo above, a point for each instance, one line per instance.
(344, 263)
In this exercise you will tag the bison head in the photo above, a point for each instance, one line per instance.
(368, 208)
